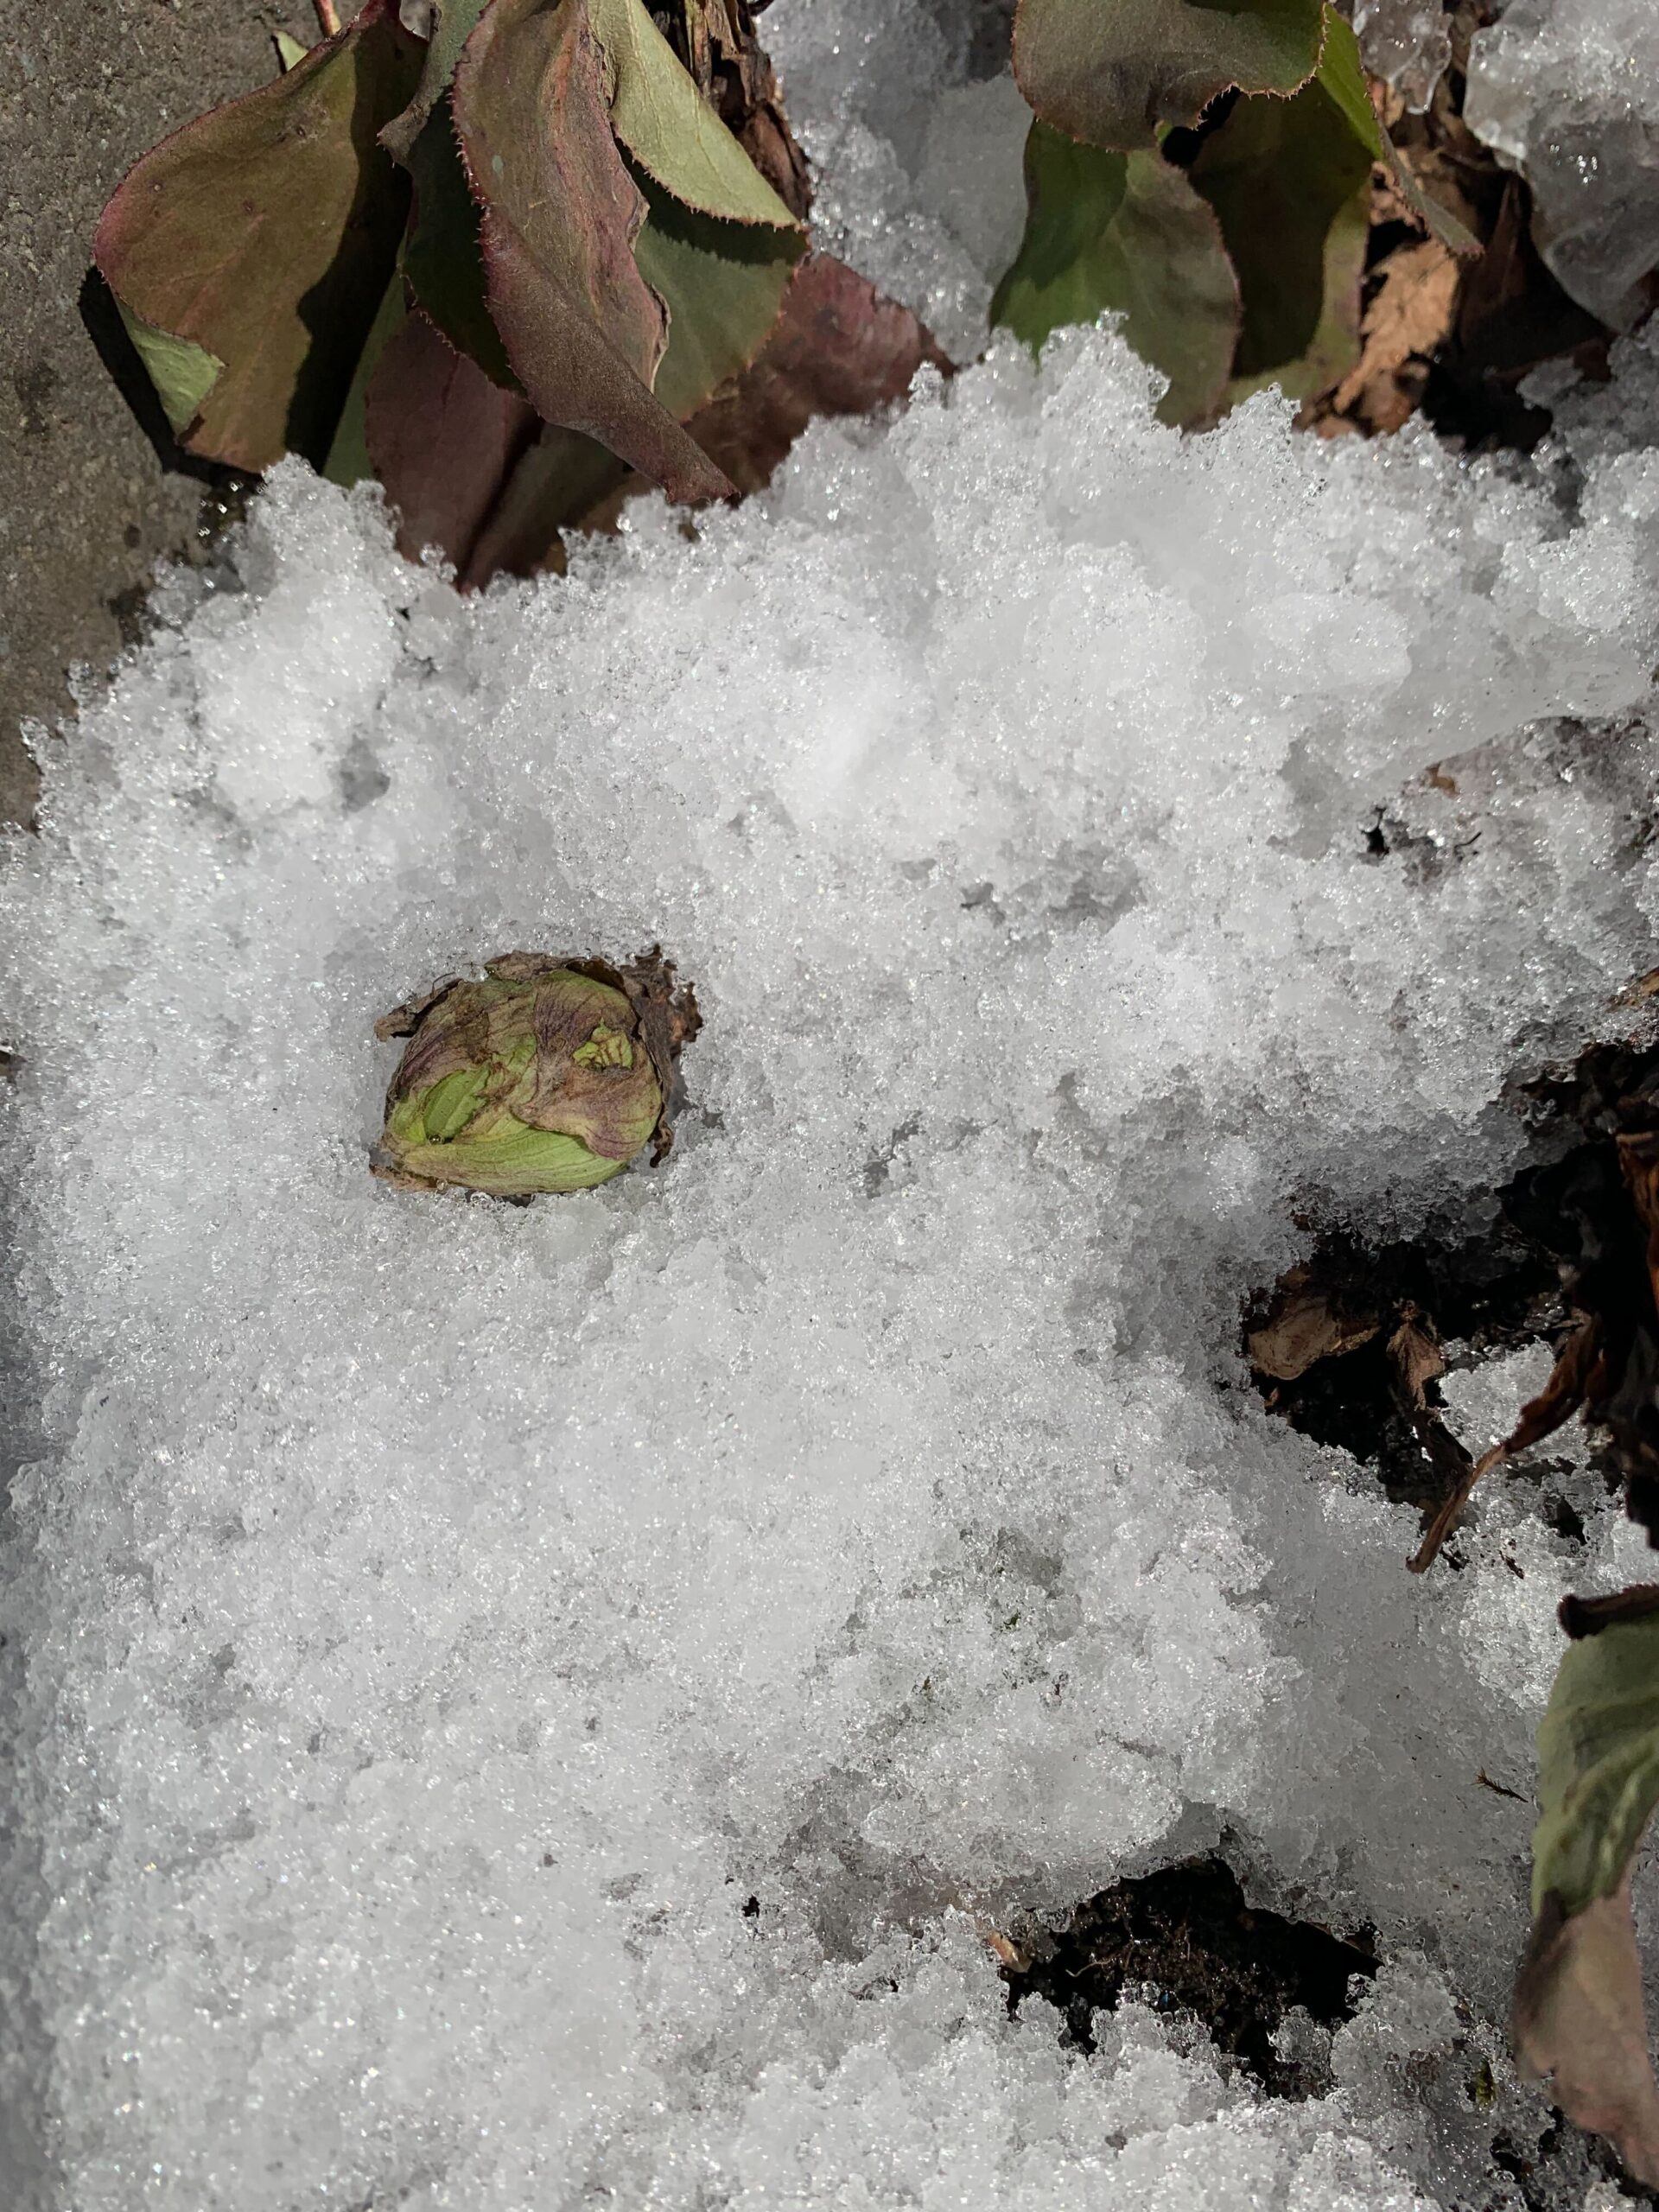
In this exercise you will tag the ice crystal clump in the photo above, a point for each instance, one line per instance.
(1569, 94)
(1406, 42)
(434, 1623)
(917, 156)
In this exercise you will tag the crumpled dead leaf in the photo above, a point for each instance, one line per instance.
(1404, 323)
(1307, 1322)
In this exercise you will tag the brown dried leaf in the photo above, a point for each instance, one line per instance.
(1639, 1158)
(1408, 316)
(717, 42)
(1579, 2019)
(1582, 1616)
(1513, 314)
(1306, 1325)
(1417, 1361)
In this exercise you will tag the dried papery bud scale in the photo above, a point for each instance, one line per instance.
(546, 1075)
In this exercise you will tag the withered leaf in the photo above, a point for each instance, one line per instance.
(1582, 1374)
(1639, 1159)
(716, 43)
(1581, 1616)
(1306, 1324)
(1407, 318)
(1417, 1361)
(660, 114)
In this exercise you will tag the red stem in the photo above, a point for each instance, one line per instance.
(328, 17)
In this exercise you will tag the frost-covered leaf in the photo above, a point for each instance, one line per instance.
(1578, 2008)
(262, 234)
(1290, 182)
(1125, 233)
(839, 349)
(559, 213)
(1110, 72)
(669, 128)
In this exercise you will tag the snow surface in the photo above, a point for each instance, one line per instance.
(430, 1623)
(1567, 90)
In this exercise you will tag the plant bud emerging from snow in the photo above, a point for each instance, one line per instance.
(548, 1075)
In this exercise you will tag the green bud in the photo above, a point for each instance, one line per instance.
(546, 1075)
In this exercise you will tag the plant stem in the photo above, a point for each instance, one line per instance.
(328, 17)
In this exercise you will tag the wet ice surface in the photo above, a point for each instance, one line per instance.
(1406, 42)
(1567, 90)
(432, 1624)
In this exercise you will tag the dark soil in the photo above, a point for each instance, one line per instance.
(1186, 1938)
(1565, 1240)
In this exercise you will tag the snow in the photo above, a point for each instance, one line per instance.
(431, 1624)
(1568, 92)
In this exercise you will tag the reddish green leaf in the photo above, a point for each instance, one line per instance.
(664, 122)
(453, 24)
(442, 439)
(1110, 72)
(443, 256)
(348, 460)
(263, 233)
(1577, 2000)
(839, 349)
(583, 331)
(562, 482)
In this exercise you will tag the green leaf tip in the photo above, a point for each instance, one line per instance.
(183, 372)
